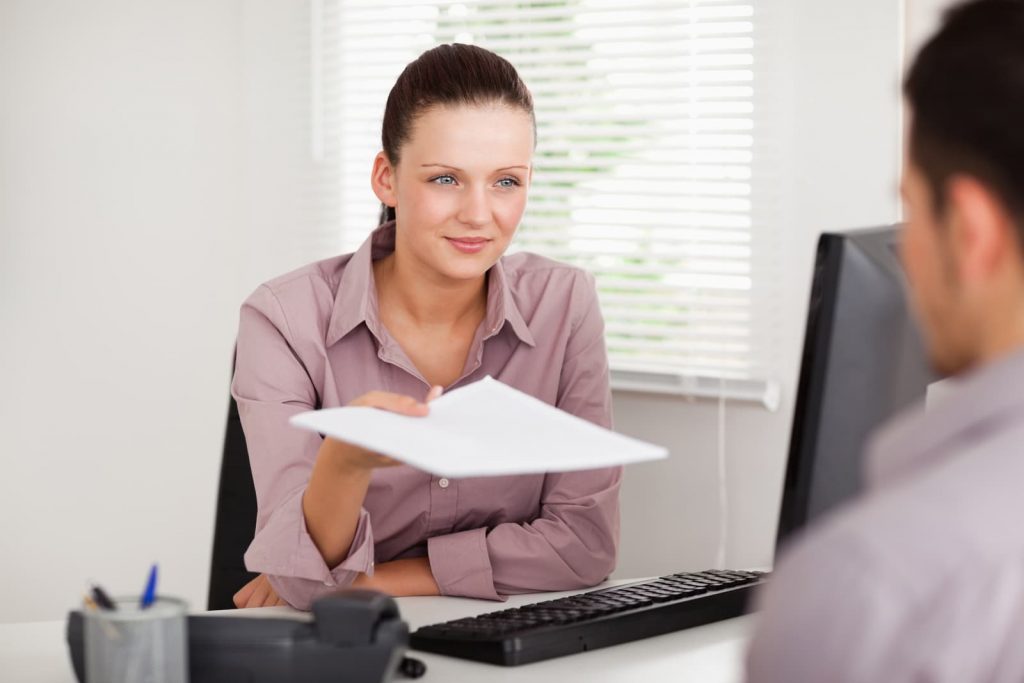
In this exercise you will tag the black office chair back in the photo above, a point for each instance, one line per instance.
(236, 517)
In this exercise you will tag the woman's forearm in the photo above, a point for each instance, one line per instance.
(341, 477)
(411, 576)
(333, 500)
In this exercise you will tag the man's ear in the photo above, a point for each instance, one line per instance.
(382, 179)
(983, 233)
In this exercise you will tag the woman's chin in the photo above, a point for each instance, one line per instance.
(465, 268)
(464, 273)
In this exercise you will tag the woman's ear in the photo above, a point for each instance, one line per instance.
(382, 179)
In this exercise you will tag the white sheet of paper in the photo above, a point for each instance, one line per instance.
(483, 429)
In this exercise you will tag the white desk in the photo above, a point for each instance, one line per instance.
(36, 652)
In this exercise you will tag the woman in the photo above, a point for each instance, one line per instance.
(428, 302)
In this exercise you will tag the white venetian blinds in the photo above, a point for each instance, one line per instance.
(645, 166)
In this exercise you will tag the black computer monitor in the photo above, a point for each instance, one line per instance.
(863, 360)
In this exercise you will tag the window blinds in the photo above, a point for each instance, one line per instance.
(645, 166)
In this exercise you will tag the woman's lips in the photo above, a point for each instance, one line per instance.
(468, 245)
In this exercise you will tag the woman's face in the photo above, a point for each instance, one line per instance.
(459, 189)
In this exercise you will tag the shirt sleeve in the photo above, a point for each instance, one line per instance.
(270, 385)
(574, 541)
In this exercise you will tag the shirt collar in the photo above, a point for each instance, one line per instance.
(356, 300)
(501, 307)
(973, 404)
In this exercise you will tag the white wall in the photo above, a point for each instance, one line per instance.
(145, 189)
(152, 160)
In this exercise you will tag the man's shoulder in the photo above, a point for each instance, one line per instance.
(914, 536)
(882, 581)
(965, 491)
(891, 574)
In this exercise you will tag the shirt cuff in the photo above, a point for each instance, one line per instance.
(276, 552)
(358, 561)
(461, 565)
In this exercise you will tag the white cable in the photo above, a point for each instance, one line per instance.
(723, 492)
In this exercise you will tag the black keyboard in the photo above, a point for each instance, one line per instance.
(592, 620)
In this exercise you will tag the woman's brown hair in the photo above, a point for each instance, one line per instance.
(448, 75)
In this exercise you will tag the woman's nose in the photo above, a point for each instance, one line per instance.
(475, 209)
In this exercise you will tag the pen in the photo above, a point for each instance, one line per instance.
(149, 594)
(101, 598)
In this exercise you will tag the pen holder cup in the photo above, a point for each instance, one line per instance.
(135, 645)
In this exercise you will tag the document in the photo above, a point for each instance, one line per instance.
(484, 429)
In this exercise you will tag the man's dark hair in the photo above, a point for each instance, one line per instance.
(966, 93)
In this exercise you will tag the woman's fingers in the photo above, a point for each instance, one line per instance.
(398, 403)
(261, 594)
(241, 598)
(257, 593)
(395, 403)
(272, 599)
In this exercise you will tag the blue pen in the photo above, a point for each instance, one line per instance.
(149, 595)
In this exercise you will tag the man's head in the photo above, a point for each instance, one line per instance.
(963, 184)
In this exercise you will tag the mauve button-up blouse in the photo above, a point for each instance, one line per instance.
(313, 339)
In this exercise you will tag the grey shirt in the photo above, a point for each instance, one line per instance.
(922, 578)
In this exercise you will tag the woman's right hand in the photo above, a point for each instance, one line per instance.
(351, 457)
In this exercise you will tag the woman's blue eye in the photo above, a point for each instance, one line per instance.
(444, 180)
(508, 182)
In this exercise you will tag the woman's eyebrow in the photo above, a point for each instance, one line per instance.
(456, 168)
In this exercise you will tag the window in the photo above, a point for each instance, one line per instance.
(647, 168)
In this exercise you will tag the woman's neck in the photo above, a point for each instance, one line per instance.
(427, 298)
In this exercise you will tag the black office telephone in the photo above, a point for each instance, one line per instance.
(356, 636)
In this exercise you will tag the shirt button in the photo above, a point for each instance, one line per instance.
(443, 483)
